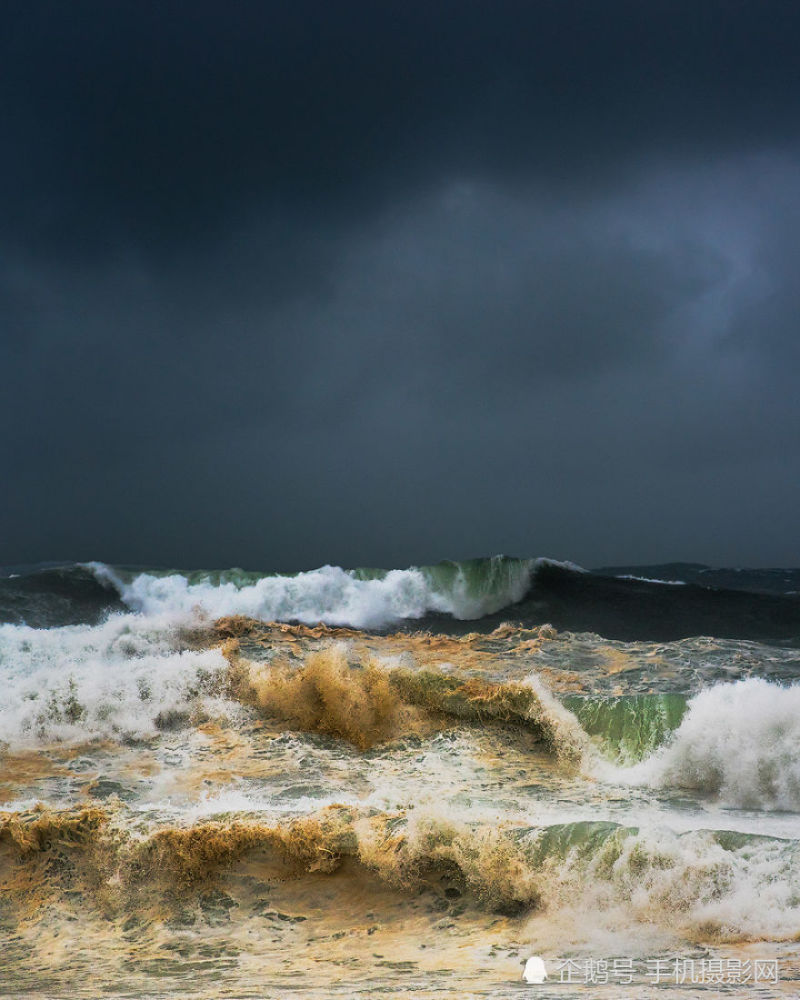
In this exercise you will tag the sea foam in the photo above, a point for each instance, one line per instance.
(331, 594)
(122, 678)
(739, 742)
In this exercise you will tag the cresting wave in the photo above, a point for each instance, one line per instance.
(738, 742)
(369, 703)
(335, 596)
(716, 885)
(628, 728)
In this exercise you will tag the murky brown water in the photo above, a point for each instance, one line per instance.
(450, 821)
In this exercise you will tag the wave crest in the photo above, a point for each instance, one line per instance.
(739, 742)
(358, 598)
(366, 704)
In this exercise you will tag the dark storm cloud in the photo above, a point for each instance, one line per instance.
(156, 121)
(381, 283)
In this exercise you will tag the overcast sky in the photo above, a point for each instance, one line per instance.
(383, 283)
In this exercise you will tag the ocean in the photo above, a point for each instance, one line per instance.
(401, 783)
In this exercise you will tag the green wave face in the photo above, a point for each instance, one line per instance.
(599, 845)
(628, 728)
(489, 583)
(478, 577)
(585, 838)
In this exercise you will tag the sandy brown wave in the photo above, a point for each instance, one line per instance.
(325, 695)
(97, 856)
(484, 864)
(367, 703)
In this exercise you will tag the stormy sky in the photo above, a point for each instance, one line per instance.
(382, 283)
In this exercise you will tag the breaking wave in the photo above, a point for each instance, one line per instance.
(715, 885)
(367, 704)
(739, 742)
(712, 884)
(125, 678)
(335, 596)
(440, 597)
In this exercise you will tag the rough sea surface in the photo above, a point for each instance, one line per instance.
(358, 783)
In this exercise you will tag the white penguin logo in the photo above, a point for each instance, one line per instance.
(535, 972)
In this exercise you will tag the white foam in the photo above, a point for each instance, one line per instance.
(739, 742)
(79, 682)
(649, 579)
(242, 803)
(690, 882)
(560, 564)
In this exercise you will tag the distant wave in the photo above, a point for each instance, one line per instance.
(444, 597)
(359, 598)
(648, 579)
